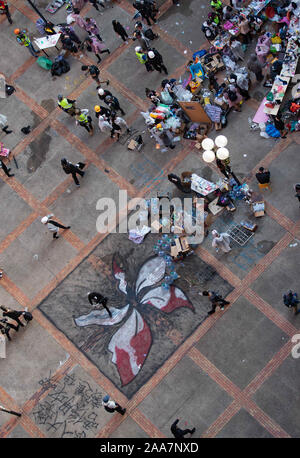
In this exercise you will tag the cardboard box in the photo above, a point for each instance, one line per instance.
(132, 145)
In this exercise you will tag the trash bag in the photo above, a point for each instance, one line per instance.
(9, 89)
(44, 62)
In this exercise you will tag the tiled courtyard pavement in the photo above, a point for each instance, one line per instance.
(229, 375)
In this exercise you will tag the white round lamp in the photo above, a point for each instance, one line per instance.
(221, 141)
(208, 156)
(222, 153)
(207, 144)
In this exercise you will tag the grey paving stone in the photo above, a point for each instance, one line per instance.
(283, 180)
(129, 429)
(19, 433)
(45, 356)
(94, 186)
(279, 396)
(40, 169)
(281, 273)
(188, 19)
(195, 399)
(243, 425)
(14, 213)
(242, 342)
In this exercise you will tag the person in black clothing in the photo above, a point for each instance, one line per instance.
(297, 189)
(68, 45)
(68, 168)
(263, 176)
(97, 299)
(67, 31)
(13, 314)
(156, 60)
(222, 167)
(95, 4)
(94, 71)
(5, 169)
(215, 300)
(113, 103)
(291, 300)
(6, 327)
(279, 124)
(112, 406)
(119, 29)
(100, 111)
(179, 433)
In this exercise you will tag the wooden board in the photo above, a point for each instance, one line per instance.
(195, 112)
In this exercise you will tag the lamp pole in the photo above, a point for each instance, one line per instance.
(2, 409)
(38, 12)
(222, 153)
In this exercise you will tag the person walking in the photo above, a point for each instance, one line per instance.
(221, 241)
(112, 406)
(256, 67)
(53, 226)
(24, 40)
(178, 432)
(4, 10)
(155, 59)
(96, 299)
(143, 58)
(118, 124)
(91, 27)
(216, 300)
(72, 169)
(5, 328)
(11, 326)
(67, 105)
(263, 178)
(5, 169)
(94, 72)
(84, 120)
(291, 300)
(98, 47)
(119, 29)
(13, 314)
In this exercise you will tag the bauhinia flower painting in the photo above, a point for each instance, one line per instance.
(148, 324)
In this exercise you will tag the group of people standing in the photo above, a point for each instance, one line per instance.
(9, 314)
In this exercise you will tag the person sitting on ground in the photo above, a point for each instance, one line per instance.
(291, 300)
(263, 176)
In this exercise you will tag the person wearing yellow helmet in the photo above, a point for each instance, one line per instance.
(4, 10)
(102, 111)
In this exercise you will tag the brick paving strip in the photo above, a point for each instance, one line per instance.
(241, 398)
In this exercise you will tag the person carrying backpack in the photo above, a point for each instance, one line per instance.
(291, 301)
